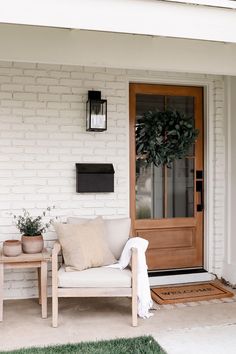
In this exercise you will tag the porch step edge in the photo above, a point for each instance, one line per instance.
(181, 278)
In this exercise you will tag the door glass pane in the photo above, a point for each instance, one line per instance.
(165, 192)
(180, 189)
(146, 103)
(185, 105)
(143, 191)
(149, 181)
(149, 191)
(182, 104)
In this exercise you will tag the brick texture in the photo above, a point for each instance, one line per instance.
(219, 179)
(42, 136)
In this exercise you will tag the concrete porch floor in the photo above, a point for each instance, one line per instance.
(208, 327)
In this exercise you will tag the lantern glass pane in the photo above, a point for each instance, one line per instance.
(98, 115)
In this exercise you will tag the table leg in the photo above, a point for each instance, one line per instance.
(1, 291)
(39, 285)
(44, 274)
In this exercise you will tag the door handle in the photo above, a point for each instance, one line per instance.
(199, 188)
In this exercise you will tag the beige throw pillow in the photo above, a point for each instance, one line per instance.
(117, 232)
(84, 245)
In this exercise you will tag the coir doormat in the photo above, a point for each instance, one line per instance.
(189, 293)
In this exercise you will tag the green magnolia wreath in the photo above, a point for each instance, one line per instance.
(164, 136)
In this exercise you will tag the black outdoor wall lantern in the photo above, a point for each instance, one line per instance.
(96, 112)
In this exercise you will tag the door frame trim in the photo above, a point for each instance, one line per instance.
(209, 147)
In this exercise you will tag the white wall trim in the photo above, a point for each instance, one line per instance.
(228, 117)
(229, 273)
(209, 148)
(229, 265)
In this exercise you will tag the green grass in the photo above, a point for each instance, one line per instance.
(139, 345)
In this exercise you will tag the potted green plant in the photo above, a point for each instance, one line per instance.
(31, 229)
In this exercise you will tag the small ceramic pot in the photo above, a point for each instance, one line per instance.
(12, 248)
(32, 244)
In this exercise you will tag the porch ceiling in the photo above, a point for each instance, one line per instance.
(150, 17)
(103, 49)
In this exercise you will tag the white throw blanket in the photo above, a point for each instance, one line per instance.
(143, 291)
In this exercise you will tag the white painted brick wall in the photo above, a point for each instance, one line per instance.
(42, 136)
(219, 178)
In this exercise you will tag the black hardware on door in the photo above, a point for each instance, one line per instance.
(199, 174)
(199, 188)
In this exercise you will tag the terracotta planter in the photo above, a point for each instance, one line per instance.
(32, 244)
(12, 248)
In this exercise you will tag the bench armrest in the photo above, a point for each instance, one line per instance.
(55, 251)
(56, 248)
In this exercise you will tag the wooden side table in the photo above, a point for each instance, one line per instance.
(37, 260)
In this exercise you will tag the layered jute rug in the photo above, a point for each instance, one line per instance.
(188, 293)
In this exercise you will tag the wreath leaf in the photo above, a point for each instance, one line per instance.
(164, 136)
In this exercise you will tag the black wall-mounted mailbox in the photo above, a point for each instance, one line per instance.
(94, 177)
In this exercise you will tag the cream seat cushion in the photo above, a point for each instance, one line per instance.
(117, 232)
(102, 277)
(84, 245)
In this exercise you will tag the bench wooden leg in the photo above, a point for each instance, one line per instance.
(54, 293)
(39, 285)
(44, 271)
(54, 309)
(134, 310)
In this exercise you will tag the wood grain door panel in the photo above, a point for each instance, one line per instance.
(172, 259)
(169, 238)
(171, 246)
(174, 242)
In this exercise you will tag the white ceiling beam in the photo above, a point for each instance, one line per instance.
(149, 17)
(229, 4)
(90, 48)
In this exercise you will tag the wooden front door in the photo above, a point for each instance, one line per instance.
(167, 203)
